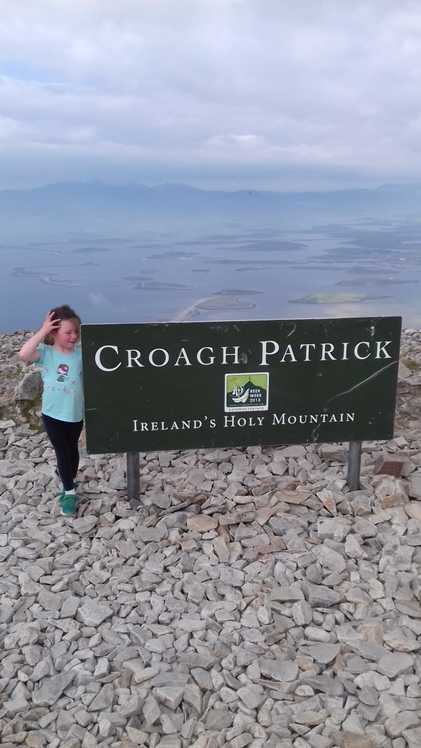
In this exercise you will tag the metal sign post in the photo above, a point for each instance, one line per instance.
(354, 465)
(133, 478)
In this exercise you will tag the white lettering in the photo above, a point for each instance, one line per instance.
(327, 350)
(357, 347)
(288, 352)
(307, 347)
(266, 352)
(226, 353)
(182, 356)
(159, 350)
(381, 349)
(98, 358)
(211, 358)
(133, 355)
(276, 420)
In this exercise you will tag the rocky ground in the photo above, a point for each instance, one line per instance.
(252, 600)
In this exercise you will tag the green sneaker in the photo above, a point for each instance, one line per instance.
(68, 504)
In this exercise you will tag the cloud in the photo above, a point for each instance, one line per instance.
(97, 298)
(172, 89)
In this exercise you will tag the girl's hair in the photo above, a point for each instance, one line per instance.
(64, 312)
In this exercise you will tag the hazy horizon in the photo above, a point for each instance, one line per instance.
(139, 183)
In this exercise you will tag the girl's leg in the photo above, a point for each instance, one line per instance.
(75, 431)
(58, 435)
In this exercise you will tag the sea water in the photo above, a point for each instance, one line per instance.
(214, 272)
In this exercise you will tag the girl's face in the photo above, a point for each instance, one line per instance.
(67, 335)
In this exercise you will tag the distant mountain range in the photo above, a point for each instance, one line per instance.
(93, 205)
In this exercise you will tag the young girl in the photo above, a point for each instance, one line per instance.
(55, 347)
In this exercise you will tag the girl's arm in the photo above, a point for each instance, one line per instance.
(28, 352)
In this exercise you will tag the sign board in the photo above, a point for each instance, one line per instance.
(213, 384)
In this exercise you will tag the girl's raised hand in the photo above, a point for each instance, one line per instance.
(50, 324)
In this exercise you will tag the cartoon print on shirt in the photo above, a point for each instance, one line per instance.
(63, 372)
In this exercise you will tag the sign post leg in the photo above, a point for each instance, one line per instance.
(354, 465)
(133, 478)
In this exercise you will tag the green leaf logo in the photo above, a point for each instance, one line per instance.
(247, 391)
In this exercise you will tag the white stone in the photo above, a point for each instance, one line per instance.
(201, 523)
(393, 664)
(52, 688)
(18, 701)
(92, 613)
(252, 696)
(353, 547)
(170, 696)
(281, 670)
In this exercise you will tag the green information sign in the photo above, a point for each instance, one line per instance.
(213, 384)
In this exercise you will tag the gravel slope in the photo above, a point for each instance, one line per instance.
(252, 600)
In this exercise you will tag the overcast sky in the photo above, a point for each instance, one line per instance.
(216, 93)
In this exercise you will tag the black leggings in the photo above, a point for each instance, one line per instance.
(64, 437)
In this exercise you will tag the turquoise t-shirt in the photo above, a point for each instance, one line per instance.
(62, 397)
